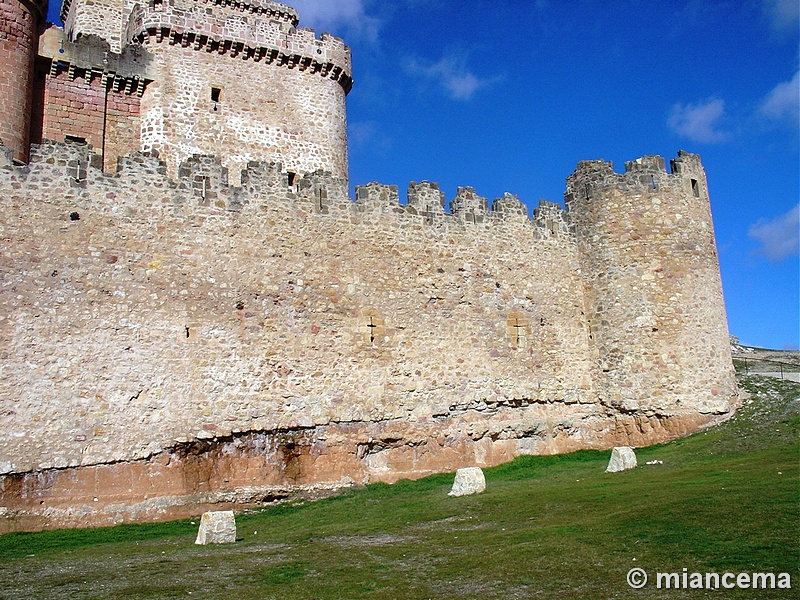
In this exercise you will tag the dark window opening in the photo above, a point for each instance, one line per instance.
(372, 328)
(75, 139)
(696, 188)
(202, 185)
(215, 94)
(322, 200)
(291, 178)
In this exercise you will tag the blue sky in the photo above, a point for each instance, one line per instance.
(508, 95)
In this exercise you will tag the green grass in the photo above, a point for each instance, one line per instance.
(724, 500)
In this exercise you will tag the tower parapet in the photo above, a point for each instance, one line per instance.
(248, 39)
(283, 14)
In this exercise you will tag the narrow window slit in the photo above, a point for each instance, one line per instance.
(519, 332)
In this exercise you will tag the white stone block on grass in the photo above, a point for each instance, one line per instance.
(217, 527)
(623, 458)
(468, 481)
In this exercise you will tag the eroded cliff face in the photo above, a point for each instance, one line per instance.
(167, 344)
(256, 467)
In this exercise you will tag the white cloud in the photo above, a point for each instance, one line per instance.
(365, 135)
(779, 237)
(783, 15)
(783, 102)
(340, 17)
(452, 73)
(699, 122)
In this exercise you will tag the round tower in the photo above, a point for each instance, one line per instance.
(240, 81)
(653, 288)
(20, 23)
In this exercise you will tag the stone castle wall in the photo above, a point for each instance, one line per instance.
(262, 308)
(165, 342)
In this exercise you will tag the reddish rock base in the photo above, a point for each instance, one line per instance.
(258, 467)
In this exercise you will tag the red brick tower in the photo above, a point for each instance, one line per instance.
(20, 23)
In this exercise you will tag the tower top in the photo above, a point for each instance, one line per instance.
(273, 10)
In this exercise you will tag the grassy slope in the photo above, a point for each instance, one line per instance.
(724, 500)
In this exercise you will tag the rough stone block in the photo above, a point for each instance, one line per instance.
(6, 156)
(468, 481)
(217, 527)
(623, 458)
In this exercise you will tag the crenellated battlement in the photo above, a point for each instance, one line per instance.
(592, 178)
(263, 8)
(240, 36)
(469, 206)
(550, 216)
(204, 183)
(426, 199)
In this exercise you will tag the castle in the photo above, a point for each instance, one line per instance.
(194, 312)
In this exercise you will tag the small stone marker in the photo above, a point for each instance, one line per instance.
(217, 527)
(622, 459)
(468, 481)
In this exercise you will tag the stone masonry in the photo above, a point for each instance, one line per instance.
(182, 77)
(171, 342)
(194, 314)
